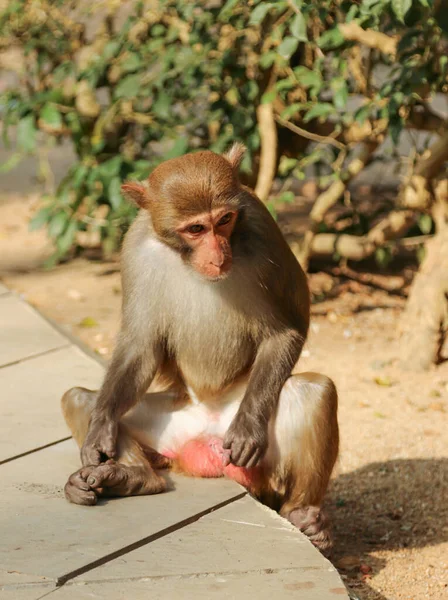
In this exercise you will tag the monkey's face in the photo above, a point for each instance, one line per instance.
(207, 237)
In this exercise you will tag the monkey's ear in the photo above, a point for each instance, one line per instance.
(136, 193)
(235, 155)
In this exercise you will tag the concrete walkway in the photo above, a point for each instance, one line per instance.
(205, 539)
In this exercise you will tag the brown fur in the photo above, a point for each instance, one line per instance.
(201, 336)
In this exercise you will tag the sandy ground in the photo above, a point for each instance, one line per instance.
(389, 495)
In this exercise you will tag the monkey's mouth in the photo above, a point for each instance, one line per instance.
(216, 278)
(214, 273)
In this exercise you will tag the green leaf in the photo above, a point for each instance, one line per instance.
(88, 322)
(321, 110)
(128, 87)
(111, 49)
(298, 28)
(114, 193)
(65, 242)
(271, 208)
(110, 168)
(362, 113)
(11, 162)
(57, 224)
(331, 39)
(51, 116)
(287, 197)
(308, 78)
(383, 256)
(288, 47)
(162, 106)
(267, 59)
(259, 13)
(293, 109)
(401, 8)
(425, 224)
(26, 134)
(131, 62)
(268, 97)
(395, 128)
(179, 148)
(40, 218)
(384, 381)
(340, 92)
(79, 175)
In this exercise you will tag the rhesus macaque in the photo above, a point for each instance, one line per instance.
(215, 313)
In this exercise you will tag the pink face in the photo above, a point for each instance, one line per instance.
(208, 235)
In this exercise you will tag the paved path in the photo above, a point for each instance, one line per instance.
(205, 539)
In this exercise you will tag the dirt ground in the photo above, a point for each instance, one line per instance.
(389, 495)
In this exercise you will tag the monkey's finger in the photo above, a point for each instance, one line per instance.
(78, 496)
(106, 475)
(78, 491)
(236, 450)
(252, 462)
(249, 450)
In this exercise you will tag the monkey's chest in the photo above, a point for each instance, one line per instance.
(211, 353)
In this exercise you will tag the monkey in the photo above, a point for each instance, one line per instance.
(215, 314)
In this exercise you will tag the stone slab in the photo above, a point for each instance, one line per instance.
(30, 412)
(261, 585)
(239, 537)
(23, 332)
(42, 535)
(26, 593)
(242, 550)
(3, 289)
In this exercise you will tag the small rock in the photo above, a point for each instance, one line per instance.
(332, 317)
(74, 294)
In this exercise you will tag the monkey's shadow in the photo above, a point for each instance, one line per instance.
(387, 506)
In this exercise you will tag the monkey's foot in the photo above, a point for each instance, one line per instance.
(111, 479)
(313, 522)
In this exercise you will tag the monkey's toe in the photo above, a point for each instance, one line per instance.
(313, 522)
(77, 489)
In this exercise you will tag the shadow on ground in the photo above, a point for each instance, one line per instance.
(377, 508)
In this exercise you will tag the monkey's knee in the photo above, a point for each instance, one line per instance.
(77, 406)
(304, 440)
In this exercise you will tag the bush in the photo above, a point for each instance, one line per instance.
(154, 83)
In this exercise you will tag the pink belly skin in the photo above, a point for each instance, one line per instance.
(205, 457)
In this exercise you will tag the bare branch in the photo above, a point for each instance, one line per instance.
(321, 139)
(352, 32)
(416, 193)
(268, 154)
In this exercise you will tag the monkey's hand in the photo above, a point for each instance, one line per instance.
(100, 442)
(247, 440)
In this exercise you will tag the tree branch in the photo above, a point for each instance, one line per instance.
(416, 193)
(321, 139)
(268, 154)
(352, 32)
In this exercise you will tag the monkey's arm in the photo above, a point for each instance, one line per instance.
(129, 375)
(247, 436)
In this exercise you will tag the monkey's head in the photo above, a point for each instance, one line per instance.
(194, 202)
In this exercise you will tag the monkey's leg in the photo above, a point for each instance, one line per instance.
(302, 451)
(130, 475)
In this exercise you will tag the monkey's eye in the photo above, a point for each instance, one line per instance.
(225, 219)
(195, 228)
